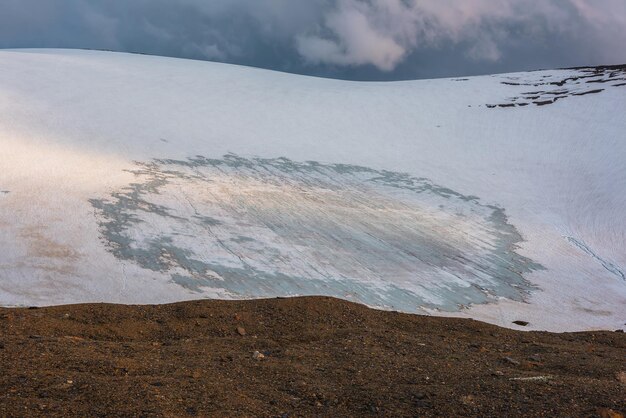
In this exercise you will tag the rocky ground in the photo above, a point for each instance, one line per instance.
(297, 357)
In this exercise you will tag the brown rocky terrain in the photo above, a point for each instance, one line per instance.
(297, 357)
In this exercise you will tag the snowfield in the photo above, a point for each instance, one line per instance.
(139, 179)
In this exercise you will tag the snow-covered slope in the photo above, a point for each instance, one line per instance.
(139, 179)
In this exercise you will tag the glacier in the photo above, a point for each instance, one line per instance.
(139, 179)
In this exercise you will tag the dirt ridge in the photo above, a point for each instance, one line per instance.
(313, 356)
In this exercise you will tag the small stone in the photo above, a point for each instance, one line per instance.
(74, 339)
(521, 323)
(621, 377)
(497, 373)
(70, 382)
(241, 331)
(419, 396)
(66, 315)
(511, 361)
(258, 355)
(609, 413)
(318, 404)
(532, 379)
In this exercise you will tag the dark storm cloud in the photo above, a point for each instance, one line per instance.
(357, 39)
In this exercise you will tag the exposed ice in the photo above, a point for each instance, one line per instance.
(273, 227)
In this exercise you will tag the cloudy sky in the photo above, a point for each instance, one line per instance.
(351, 39)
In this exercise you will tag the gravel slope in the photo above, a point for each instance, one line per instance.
(322, 357)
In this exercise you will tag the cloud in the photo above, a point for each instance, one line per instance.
(357, 39)
(383, 33)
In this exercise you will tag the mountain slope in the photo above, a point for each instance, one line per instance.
(138, 179)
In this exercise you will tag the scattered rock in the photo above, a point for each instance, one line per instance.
(73, 338)
(241, 331)
(258, 355)
(609, 413)
(512, 361)
(521, 323)
(227, 358)
(66, 385)
(532, 379)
